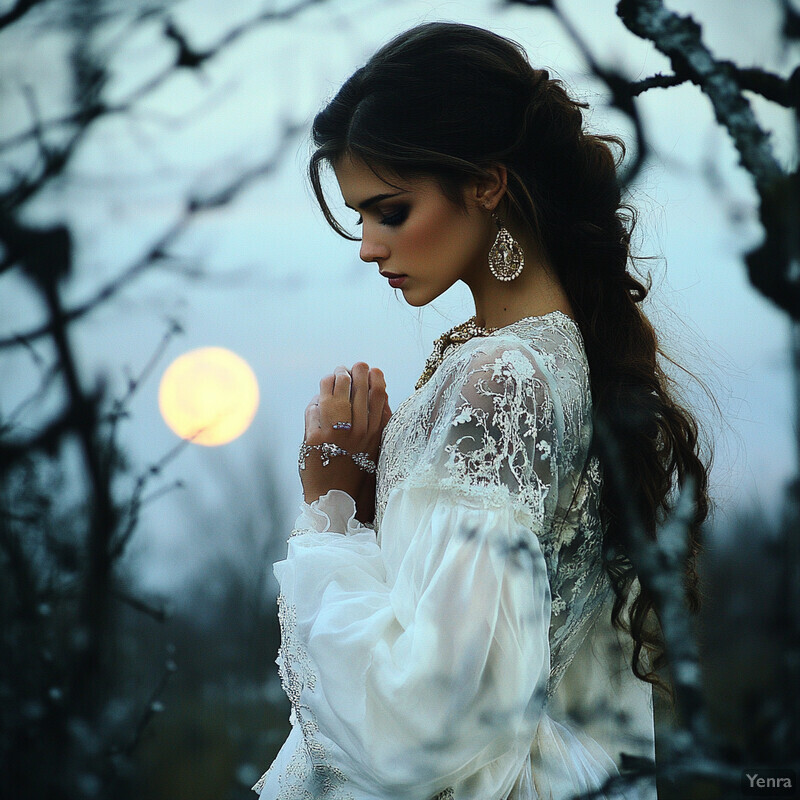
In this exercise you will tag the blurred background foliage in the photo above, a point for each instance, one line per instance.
(111, 689)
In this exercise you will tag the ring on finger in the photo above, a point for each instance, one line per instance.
(342, 426)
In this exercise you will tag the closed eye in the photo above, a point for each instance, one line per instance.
(392, 220)
(397, 218)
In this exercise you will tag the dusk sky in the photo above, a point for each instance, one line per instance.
(294, 300)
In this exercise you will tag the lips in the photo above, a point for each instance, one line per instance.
(396, 280)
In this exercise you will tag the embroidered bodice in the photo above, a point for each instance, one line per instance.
(544, 432)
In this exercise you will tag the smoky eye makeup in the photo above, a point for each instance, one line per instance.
(396, 216)
(391, 217)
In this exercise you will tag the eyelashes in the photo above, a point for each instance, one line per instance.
(396, 218)
(392, 220)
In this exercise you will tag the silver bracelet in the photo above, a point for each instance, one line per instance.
(328, 450)
(363, 461)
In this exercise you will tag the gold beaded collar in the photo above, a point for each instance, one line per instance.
(456, 335)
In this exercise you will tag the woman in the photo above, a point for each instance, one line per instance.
(427, 622)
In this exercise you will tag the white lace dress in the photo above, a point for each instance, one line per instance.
(424, 658)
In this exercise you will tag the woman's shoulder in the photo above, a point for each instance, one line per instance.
(553, 334)
(550, 345)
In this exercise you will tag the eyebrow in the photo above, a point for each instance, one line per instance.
(370, 201)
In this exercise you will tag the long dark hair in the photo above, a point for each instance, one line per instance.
(448, 101)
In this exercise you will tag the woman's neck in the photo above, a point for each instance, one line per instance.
(537, 291)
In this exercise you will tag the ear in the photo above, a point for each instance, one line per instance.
(488, 191)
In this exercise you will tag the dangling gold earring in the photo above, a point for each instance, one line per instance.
(506, 259)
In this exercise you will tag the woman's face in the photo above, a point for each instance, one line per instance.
(415, 231)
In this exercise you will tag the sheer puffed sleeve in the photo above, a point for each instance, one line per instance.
(420, 664)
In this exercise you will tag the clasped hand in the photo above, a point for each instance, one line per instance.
(357, 397)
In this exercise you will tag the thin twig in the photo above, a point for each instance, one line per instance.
(159, 614)
(157, 251)
(18, 11)
(152, 708)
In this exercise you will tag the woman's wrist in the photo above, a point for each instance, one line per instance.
(329, 450)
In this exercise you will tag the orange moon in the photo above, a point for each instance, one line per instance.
(208, 396)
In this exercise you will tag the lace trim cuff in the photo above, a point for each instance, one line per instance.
(528, 505)
(334, 512)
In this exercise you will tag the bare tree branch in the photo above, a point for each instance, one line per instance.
(153, 707)
(680, 39)
(657, 81)
(57, 649)
(157, 251)
(157, 613)
(186, 57)
(18, 11)
(660, 566)
(46, 440)
(783, 91)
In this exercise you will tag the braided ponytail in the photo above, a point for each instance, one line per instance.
(585, 229)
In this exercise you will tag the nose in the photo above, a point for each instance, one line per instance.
(372, 249)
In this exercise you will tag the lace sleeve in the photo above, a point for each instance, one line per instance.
(496, 440)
